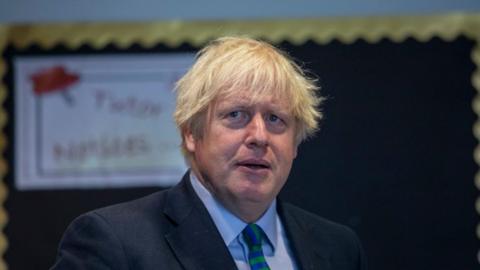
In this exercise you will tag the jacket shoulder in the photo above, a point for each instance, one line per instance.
(132, 210)
(114, 237)
(309, 220)
(336, 241)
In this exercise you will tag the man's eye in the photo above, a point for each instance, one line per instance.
(236, 119)
(237, 116)
(234, 114)
(273, 118)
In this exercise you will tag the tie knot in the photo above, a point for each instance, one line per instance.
(253, 235)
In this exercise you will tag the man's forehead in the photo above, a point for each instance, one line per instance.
(247, 99)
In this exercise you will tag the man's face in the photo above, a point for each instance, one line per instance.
(246, 151)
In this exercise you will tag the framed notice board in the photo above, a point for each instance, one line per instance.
(85, 124)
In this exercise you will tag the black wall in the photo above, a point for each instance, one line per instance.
(393, 159)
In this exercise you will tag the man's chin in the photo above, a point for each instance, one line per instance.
(254, 195)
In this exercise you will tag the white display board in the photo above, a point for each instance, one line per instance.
(97, 121)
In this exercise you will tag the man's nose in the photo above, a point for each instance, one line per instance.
(257, 132)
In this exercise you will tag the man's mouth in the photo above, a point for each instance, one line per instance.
(254, 164)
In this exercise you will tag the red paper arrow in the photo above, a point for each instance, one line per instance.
(54, 79)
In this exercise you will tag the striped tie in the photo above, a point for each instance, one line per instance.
(253, 235)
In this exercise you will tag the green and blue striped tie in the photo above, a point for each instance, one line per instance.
(253, 235)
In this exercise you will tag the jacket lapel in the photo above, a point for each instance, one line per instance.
(194, 237)
(307, 256)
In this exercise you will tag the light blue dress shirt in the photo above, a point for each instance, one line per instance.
(276, 249)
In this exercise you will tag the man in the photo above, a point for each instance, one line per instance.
(242, 110)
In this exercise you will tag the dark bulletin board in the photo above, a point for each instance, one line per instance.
(393, 159)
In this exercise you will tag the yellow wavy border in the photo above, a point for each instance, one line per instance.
(297, 31)
(3, 138)
(173, 33)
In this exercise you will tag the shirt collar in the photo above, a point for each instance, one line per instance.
(229, 225)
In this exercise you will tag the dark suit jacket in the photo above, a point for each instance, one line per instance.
(172, 230)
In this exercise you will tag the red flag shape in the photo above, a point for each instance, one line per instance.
(53, 79)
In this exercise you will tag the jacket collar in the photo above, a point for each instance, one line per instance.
(197, 243)
(308, 255)
(194, 238)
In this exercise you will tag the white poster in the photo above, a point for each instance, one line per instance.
(97, 121)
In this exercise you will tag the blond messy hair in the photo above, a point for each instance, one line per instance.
(231, 64)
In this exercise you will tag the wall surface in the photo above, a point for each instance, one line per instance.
(379, 158)
(27, 11)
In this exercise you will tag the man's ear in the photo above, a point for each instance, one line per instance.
(189, 140)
